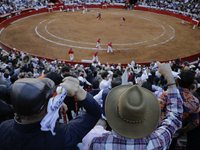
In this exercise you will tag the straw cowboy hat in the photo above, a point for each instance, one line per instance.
(132, 111)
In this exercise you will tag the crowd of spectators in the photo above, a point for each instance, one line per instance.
(19, 71)
(9, 6)
(189, 8)
(96, 78)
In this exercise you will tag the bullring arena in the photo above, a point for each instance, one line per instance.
(143, 37)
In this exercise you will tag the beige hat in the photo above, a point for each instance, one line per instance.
(132, 111)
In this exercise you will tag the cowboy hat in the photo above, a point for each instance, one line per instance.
(132, 111)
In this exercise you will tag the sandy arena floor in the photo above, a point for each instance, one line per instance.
(142, 37)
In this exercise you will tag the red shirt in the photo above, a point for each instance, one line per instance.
(71, 51)
(110, 44)
(95, 54)
(98, 40)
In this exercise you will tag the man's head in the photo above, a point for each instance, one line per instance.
(132, 111)
(186, 78)
(194, 86)
(13, 78)
(115, 82)
(95, 84)
(30, 96)
(76, 73)
(104, 75)
(147, 85)
(65, 71)
(6, 75)
(55, 77)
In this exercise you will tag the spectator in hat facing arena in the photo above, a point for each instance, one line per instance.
(36, 128)
(133, 113)
(190, 106)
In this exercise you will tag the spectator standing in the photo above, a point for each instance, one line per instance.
(95, 88)
(133, 113)
(190, 104)
(29, 129)
(193, 138)
(107, 78)
(69, 100)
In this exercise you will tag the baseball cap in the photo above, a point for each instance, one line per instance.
(29, 96)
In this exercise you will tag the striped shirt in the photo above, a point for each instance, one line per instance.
(160, 139)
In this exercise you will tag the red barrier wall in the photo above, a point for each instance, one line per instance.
(7, 22)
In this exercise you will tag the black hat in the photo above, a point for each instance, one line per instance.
(29, 96)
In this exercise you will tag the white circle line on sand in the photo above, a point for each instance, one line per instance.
(63, 44)
(149, 19)
(167, 39)
(51, 21)
(103, 49)
(42, 21)
(66, 39)
(106, 44)
(2, 30)
(27, 17)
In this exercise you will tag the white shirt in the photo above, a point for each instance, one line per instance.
(104, 84)
(95, 132)
(98, 98)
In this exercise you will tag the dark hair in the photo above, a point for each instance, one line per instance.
(76, 72)
(94, 74)
(115, 75)
(95, 84)
(186, 78)
(13, 78)
(115, 82)
(57, 79)
(65, 68)
(104, 74)
(156, 80)
(153, 72)
(147, 85)
(6, 75)
(163, 82)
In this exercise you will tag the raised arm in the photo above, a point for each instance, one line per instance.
(172, 121)
(82, 124)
